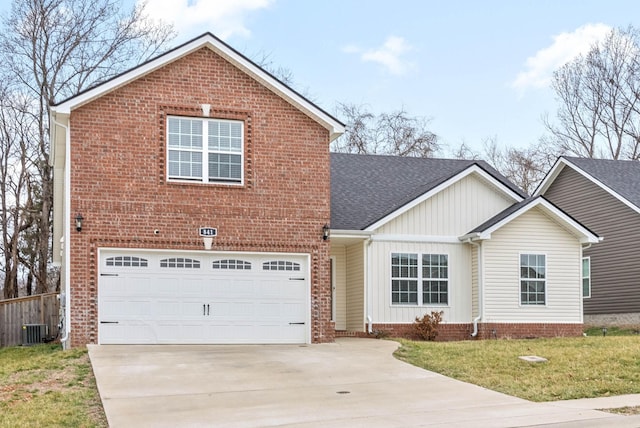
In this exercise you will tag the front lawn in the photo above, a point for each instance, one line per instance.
(583, 367)
(43, 386)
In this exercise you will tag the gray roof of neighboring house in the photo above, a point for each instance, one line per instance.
(366, 188)
(621, 176)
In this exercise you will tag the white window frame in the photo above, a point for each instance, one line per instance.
(420, 279)
(588, 277)
(521, 279)
(205, 151)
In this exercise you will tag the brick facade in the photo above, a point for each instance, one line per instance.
(451, 332)
(119, 185)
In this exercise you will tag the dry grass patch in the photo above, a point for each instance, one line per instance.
(584, 367)
(45, 386)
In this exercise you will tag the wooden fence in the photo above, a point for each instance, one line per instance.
(38, 309)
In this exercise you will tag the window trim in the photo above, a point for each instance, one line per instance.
(205, 152)
(582, 277)
(420, 280)
(544, 280)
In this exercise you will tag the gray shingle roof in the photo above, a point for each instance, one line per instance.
(503, 214)
(621, 176)
(366, 188)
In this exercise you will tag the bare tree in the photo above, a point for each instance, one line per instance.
(599, 100)
(53, 49)
(525, 167)
(16, 181)
(396, 133)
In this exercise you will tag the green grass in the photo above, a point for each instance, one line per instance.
(584, 367)
(46, 386)
(613, 331)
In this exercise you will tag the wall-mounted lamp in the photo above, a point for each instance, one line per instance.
(79, 219)
(325, 232)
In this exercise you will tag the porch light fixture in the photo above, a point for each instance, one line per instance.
(79, 219)
(325, 232)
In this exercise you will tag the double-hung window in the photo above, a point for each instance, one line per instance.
(533, 274)
(586, 277)
(419, 279)
(205, 150)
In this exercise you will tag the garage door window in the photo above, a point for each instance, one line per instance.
(231, 264)
(281, 265)
(180, 262)
(126, 261)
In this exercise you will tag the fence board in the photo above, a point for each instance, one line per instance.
(38, 309)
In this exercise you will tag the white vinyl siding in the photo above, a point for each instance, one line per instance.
(453, 211)
(205, 150)
(532, 233)
(355, 287)
(339, 255)
(383, 310)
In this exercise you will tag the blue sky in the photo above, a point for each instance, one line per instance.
(479, 69)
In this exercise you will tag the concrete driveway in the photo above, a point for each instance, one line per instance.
(350, 383)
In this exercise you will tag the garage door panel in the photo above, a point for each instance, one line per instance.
(185, 302)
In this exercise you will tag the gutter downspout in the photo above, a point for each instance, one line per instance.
(368, 285)
(480, 286)
(66, 235)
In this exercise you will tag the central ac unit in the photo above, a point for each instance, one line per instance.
(33, 334)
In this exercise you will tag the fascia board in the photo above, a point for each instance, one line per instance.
(561, 164)
(335, 127)
(466, 172)
(586, 236)
(550, 177)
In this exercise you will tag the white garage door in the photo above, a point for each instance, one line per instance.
(204, 297)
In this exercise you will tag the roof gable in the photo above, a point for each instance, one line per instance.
(368, 191)
(485, 230)
(208, 40)
(619, 178)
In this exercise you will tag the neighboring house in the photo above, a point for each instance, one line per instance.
(604, 195)
(410, 236)
(197, 137)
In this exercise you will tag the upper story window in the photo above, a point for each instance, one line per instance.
(205, 150)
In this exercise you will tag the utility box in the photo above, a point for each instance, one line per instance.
(33, 334)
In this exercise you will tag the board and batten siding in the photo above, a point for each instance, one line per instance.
(459, 308)
(615, 262)
(339, 257)
(355, 287)
(453, 211)
(532, 233)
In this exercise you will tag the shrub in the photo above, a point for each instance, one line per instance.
(426, 328)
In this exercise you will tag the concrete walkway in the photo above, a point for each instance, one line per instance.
(350, 383)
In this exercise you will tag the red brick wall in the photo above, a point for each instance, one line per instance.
(118, 180)
(449, 332)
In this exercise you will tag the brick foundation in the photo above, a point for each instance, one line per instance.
(453, 332)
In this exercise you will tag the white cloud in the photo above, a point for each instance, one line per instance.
(223, 18)
(565, 47)
(388, 55)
